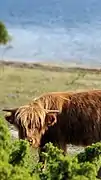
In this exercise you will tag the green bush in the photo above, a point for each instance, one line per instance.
(15, 158)
(17, 162)
(58, 166)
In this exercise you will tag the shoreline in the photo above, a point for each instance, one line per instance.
(48, 66)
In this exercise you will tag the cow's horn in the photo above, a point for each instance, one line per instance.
(52, 111)
(10, 110)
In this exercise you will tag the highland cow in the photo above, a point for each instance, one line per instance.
(39, 106)
(76, 120)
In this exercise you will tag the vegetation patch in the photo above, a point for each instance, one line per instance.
(18, 161)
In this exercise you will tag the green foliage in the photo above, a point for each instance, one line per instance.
(4, 36)
(15, 158)
(91, 154)
(17, 161)
(83, 166)
(5, 140)
(21, 155)
(4, 135)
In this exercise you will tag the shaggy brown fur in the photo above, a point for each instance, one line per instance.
(76, 119)
(79, 123)
(52, 100)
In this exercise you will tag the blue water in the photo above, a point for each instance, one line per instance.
(53, 30)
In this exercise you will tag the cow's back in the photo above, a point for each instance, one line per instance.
(53, 100)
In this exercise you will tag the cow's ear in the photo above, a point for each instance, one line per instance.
(10, 113)
(51, 119)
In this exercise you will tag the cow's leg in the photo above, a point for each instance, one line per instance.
(46, 138)
(65, 149)
(63, 146)
(41, 159)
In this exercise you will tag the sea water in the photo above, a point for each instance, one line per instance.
(52, 30)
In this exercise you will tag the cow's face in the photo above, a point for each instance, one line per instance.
(32, 129)
(34, 135)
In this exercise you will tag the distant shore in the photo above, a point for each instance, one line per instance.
(49, 66)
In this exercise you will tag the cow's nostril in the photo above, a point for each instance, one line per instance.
(30, 141)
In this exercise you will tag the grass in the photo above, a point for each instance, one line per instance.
(20, 84)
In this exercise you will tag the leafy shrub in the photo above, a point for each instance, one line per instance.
(17, 161)
(58, 166)
(15, 158)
